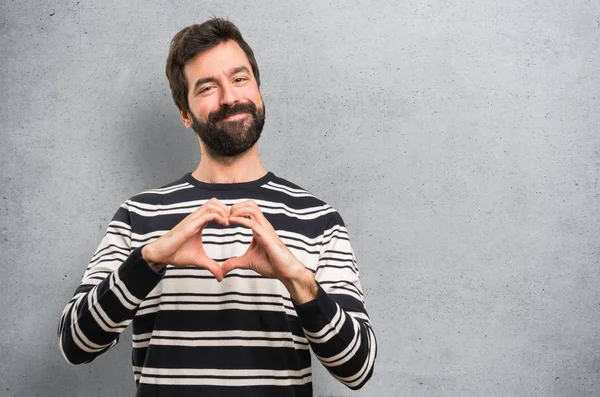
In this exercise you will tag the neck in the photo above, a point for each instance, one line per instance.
(246, 167)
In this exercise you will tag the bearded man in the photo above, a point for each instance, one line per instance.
(231, 274)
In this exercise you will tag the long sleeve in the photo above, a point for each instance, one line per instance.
(336, 323)
(116, 280)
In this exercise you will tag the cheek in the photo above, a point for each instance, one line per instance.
(203, 110)
(202, 106)
(250, 92)
(257, 99)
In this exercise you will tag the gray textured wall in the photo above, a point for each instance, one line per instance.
(459, 140)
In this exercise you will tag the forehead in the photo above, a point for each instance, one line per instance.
(215, 62)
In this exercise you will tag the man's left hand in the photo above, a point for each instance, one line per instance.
(268, 255)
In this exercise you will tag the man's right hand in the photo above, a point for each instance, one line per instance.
(182, 245)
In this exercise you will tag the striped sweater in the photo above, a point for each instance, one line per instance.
(244, 336)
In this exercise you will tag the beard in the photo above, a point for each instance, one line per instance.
(230, 138)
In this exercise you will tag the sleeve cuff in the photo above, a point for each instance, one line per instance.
(138, 276)
(314, 314)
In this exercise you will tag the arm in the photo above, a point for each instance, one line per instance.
(336, 323)
(329, 304)
(114, 284)
(118, 278)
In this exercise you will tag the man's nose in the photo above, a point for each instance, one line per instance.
(229, 95)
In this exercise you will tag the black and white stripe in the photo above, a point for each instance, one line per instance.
(248, 324)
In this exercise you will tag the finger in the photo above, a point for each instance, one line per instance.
(212, 266)
(258, 232)
(244, 204)
(252, 214)
(246, 211)
(212, 207)
(240, 262)
(220, 204)
(240, 220)
(196, 225)
(250, 209)
(212, 216)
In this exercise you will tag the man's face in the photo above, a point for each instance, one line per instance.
(227, 111)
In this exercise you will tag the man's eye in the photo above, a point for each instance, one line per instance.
(239, 79)
(205, 89)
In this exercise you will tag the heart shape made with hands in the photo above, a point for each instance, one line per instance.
(267, 254)
(182, 246)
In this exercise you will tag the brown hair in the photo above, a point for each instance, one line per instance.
(191, 41)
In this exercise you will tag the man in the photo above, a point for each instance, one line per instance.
(229, 274)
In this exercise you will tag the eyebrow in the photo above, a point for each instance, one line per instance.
(211, 79)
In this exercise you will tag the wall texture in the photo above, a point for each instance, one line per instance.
(459, 140)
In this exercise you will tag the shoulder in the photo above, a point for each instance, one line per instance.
(171, 192)
(304, 200)
(288, 192)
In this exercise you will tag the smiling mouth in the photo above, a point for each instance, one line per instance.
(237, 116)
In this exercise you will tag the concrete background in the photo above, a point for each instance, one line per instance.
(459, 140)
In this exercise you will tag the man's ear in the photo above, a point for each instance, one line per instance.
(186, 118)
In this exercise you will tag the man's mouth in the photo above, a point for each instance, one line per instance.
(234, 117)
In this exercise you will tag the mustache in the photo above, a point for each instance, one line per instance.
(227, 111)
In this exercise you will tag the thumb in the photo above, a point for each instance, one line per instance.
(239, 262)
(212, 266)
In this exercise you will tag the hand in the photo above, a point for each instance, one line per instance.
(182, 245)
(268, 255)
